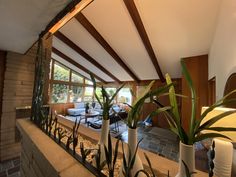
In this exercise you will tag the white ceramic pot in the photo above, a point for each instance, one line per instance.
(186, 154)
(223, 158)
(132, 143)
(103, 139)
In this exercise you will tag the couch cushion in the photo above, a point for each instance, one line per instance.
(79, 105)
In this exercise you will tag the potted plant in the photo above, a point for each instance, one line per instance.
(134, 113)
(196, 127)
(106, 105)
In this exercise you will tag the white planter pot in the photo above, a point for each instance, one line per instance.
(132, 142)
(103, 139)
(223, 158)
(186, 154)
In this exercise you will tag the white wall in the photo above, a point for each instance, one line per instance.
(222, 57)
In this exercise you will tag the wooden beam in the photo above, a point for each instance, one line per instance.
(133, 11)
(80, 51)
(91, 29)
(73, 62)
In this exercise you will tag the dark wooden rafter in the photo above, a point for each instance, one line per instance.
(68, 59)
(80, 51)
(92, 30)
(133, 11)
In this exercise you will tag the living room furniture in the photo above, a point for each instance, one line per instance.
(92, 114)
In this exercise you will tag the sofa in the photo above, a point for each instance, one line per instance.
(79, 107)
(77, 110)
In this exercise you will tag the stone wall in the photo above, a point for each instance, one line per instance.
(42, 157)
(17, 92)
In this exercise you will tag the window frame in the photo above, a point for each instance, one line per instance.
(69, 83)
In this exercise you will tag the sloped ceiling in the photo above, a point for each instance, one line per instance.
(23, 20)
(176, 29)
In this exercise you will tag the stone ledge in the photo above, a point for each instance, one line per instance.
(43, 157)
(41, 141)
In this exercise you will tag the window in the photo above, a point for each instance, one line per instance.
(67, 85)
(99, 93)
(59, 93)
(110, 91)
(88, 82)
(61, 73)
(76, 78)
(125, 96)
(88, 94)
(76, 94)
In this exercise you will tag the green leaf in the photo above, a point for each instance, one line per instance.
(213, 120)
(149, 164)
(221, 129)
(209, 135)
(159, 110)
(145, 92)
(117, 91)
(141, 171)
(173, 101)
(193, 97)
(209, 109)
(116, 153)
(187, 172)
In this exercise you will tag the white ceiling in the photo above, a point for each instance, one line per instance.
(176, 29)
(23, 20)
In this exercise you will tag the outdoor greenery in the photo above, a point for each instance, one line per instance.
(61, 73)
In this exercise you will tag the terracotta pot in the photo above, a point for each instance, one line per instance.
(186, 154)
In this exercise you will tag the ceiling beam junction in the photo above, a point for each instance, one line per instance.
(92, 30)
(73, 62)
(81, 52)
(133, 11)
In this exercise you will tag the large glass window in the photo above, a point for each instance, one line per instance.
(59, 93)
(88, 82)
(124, 96)
(61, 73)
(99, 93)
(111, 91)
(76, 78)
(88, 94)
(76, 94)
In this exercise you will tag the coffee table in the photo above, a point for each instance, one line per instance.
(91, 114)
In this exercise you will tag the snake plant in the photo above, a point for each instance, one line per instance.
(196, 127)
(107, 100)
(136, 108)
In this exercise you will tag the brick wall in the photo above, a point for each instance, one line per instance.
(17, 92)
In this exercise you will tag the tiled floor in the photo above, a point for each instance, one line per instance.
(10, 168)
(157, 140)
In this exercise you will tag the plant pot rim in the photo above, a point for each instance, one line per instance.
(188, 145)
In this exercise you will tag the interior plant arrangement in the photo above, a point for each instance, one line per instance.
(134, 113)
(196, 127)
(106, 104)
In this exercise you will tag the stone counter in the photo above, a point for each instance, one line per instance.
(36, 144)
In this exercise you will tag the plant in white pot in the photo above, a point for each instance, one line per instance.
(196, 127)
(134, 113)
(106, 105)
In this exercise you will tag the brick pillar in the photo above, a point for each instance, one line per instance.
(17, 92)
